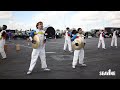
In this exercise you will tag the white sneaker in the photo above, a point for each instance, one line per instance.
(71, 51)
(4, 58)
(73, 67)
(83, 65)
(64, 50)
(29, 72)
(46, 69)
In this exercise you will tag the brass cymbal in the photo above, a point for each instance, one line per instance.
(36, 45)
(78, 43)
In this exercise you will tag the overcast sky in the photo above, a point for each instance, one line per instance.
(60, 19)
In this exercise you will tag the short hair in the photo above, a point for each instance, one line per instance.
(67, 28)
(74, 32)
(38, 24)
(79, 29)
(4, 27)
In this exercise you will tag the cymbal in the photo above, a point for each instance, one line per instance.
(36, 45)
(78, 43)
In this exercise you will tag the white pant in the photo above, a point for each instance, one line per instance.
(103, 43)
(68, 42)
(35, 53)
(114, 41)
(2, 52)
(78, 55)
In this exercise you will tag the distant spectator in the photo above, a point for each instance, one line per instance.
(9, 35)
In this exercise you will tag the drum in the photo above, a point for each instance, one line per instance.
(36, 45)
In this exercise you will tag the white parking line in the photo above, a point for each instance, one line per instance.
(25, 46)
(50, 52)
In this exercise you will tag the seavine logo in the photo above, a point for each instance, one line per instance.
(107, 73)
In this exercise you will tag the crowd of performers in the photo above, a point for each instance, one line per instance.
(69, 38)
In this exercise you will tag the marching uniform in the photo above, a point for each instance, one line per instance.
(2, 43)
(68, 41)
(78, 54)
(114, 39)
(101, 40)
(39, 52)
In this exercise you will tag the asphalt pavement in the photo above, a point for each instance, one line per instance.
(17, 63)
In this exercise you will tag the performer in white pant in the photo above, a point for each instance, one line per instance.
(2, 41)
(114, 39)
(40, 51)
(78, 54)
(68, 40)
(101, 40)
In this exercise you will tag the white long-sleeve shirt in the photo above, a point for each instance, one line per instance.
(114, 34)
(2, 41)
(41, 34)
(101, 35)
(66, 36)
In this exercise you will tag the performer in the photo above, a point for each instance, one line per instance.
(68, 40)
(101, 40)
(40, 51)
(114, 39)
(78, 54)
(2, 41)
